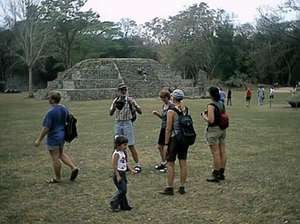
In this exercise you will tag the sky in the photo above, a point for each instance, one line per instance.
(145, 10)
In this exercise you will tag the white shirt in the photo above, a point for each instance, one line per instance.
(122, 163)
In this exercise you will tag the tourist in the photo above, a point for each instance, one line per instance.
(124, 108)
(120, 166)
(260, 95)
(53, 127)
(167, 104)
(222, 95)
(248, 96)
(271, 93)
(229, 97)
(215, 136)
(175, 148)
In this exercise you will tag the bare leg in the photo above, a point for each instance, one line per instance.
(171, 174)
(216, 156)
(134, 153)
(56, 163)
(222, 156)
(162, 152)
(183, 171)
(66, 159)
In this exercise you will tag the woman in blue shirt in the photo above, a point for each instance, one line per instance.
(54, 128)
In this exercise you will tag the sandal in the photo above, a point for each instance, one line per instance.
(74, 174)
(53, 181)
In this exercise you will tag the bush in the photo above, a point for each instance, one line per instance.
(294, 101)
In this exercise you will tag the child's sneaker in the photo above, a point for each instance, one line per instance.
(138, 168)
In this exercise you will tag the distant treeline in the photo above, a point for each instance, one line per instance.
(41, 39)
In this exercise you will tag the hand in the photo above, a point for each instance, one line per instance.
(155, 112)
(133, 171)
(119, 178)
(37, 143)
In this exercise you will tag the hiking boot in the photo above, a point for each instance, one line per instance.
(168, 191)
(213, 177)
(181, 190)
(164, 170)
(221, 174)
(127, 208)
(160, 166)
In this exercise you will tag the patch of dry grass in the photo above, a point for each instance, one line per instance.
(262, 183)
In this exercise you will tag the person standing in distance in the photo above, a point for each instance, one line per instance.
(54, 128)
(123, 107)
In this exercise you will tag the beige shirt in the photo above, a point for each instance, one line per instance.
(125, 114)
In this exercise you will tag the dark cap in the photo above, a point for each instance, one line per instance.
(122, 86)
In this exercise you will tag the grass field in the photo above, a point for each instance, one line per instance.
(263, 175)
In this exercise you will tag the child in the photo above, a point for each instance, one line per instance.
(120, 166)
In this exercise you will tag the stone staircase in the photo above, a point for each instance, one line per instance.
(95, 79)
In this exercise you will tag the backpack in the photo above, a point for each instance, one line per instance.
(223, 121)
(70, 128)
(187, 134)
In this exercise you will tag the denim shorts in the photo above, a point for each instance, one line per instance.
(125, 128)
(55, 147)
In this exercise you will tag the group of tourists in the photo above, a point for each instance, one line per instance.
(175, 136)
(260, 95)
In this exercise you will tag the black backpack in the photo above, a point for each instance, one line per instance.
(70, 128)
(187, 134)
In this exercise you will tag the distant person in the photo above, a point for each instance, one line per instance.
(54, 128)
(124, 107)
(248, 96)
(229, 97)
(175, 148)
(222, 95)
(215, 136)
(271, 93)
(120, 166)
(167, 104)
(260, 95)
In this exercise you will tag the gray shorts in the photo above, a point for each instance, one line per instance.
(215, 135)
(55, 147)
(125, 128)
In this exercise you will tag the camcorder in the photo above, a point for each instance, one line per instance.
(120, 102)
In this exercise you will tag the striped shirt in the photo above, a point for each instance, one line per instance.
(125, 114)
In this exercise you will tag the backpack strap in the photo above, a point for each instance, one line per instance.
(180, 112)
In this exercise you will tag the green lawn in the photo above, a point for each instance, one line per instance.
(263, 175)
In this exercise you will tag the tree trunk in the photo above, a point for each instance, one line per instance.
(30, 91)
(290, 72)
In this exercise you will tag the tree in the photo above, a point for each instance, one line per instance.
(68, 21)
(24, 18)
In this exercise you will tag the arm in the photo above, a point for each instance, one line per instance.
(137, 107)
(170, 120)
(112, 107)
(210, 116)
(115, 167)
(156, 113)
(43, 133)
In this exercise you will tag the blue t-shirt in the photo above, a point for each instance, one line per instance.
(55, 120)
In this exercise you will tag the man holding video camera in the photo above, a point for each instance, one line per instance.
(125, 108)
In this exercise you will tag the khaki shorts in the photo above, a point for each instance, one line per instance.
(215, 135)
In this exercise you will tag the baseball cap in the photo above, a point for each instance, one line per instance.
(122, 86)
(178, 94)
